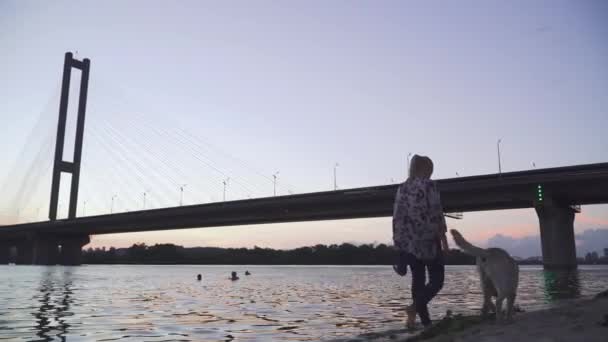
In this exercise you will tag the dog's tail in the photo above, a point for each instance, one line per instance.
(466, 246)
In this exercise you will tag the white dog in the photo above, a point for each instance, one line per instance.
(499, 275)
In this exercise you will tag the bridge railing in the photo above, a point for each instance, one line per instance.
(457, 215)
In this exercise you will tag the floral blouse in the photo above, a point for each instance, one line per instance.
(418, 218)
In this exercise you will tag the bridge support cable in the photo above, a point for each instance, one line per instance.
(118, 194)
(153, 177)
(130, 168)
(162, 155)
(143, 151)
(121, 162)
(173, 141)
(166, 152)
(98, 190)
(119, 100)
(173, 137)
(134, 155)
(24, 181)
(234, 171)
(247, 189)
(121, 168)
(197, 140)
(28, 188)
(117, 172)
(149, 154)
(165, 135)
(128, 145)
(204, 160)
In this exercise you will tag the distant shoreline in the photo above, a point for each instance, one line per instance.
(343, 254)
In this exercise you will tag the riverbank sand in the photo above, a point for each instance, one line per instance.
(571, 320)
(582, 320)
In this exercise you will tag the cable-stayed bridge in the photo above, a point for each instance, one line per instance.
(555, 193)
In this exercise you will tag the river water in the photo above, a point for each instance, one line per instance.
(275, 303)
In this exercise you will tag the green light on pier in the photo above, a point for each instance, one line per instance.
(539, 193)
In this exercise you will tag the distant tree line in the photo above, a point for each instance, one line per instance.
(344, 254)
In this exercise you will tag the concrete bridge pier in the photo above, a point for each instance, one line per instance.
(5, 253)
(25, 252)
(557, 236)
(71, 249)
(45, 251)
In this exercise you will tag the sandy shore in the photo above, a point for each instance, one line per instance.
(574, 320)
(581, 320)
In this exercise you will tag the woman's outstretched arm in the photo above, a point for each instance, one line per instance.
(436, 213)
(399, 212)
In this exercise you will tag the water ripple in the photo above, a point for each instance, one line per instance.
(166, 303)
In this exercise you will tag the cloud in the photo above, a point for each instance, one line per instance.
(522, 247)
(586, 219)
(591, 240)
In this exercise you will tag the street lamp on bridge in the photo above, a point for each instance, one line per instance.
(498, 149)
(145, 194)
(181, 194)
(335, 178)
(274, 182)
(225, 182)
(112, 205)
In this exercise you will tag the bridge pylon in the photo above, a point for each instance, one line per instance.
(60, 166)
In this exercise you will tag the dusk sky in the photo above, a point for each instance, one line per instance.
(195, 92)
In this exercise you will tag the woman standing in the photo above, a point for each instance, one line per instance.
(419, 234)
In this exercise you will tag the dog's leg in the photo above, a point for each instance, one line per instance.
(485, 307)
(487, 289)
(510, 303)
(491, 304)
(484, 291)
(488, 306)
(499, 314)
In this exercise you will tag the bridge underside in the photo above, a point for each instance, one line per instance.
(586, 184)
(44, 249)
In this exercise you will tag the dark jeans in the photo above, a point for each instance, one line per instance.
(422, 293)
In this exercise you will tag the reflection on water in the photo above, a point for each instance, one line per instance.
(54, 305)
(276, 303)
(561, 284)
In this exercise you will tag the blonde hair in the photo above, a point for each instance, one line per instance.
(421, 167)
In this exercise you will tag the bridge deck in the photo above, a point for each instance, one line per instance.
(583, 184)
